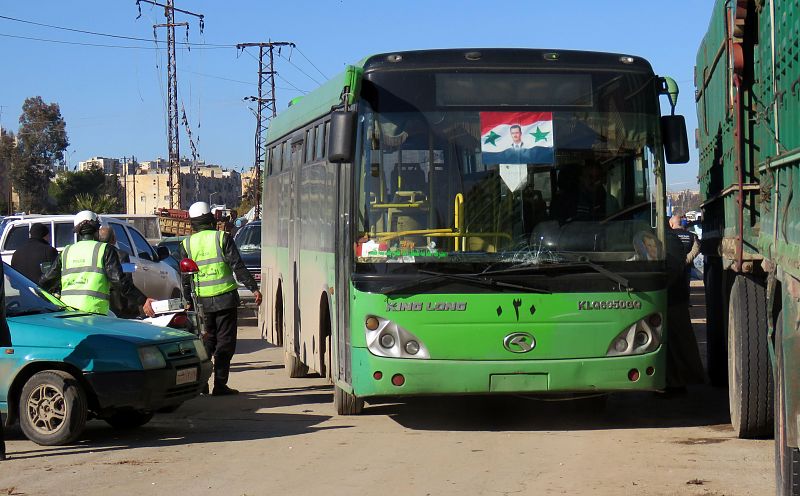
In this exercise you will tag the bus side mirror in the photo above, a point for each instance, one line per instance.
(673, 135)
(341, 141)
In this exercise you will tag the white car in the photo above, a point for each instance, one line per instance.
(155, 278)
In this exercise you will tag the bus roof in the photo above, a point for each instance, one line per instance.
(320, 101)
(314, 104)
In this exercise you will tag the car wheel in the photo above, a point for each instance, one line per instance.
(128, 419)
(53, 408)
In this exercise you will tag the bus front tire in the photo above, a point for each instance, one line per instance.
(346, 403)
(750, 387)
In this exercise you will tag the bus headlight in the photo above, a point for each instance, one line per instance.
(387, 339)
(643, 336)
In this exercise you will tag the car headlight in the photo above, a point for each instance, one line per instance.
(151, 358)
(643, 336)
(387, 339)
(200, 349)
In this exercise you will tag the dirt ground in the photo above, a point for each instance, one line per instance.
(281, 436)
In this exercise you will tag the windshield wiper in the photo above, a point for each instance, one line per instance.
(479, 278)
(622, 281)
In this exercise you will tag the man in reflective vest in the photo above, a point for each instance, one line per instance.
(218, 259)
(86, 270)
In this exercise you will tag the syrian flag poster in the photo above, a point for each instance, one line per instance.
(517, 137)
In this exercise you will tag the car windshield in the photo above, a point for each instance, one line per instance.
(459, 176)
(249, 238)
(23, 297)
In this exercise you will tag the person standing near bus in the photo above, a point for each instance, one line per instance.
(5, 340)
(684, 365)
(217, 258)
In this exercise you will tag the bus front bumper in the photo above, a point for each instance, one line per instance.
(421, 377)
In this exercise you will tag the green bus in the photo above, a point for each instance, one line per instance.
(471, 222)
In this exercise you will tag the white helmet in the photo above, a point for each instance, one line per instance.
(85, 215)
(199, 208)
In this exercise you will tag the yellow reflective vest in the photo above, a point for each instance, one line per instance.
(215, 276)
(84, 284)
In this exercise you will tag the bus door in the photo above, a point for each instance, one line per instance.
(343, 249)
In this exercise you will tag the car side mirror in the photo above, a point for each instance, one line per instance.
(673, 135)
(162, 252)
(341, 141)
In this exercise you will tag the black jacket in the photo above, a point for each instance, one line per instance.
(230, 253)
(51, 281)
(28, 258)
(5, 335)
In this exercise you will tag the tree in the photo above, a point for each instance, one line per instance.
(72, 191)
(9, 154)
(42, 139)
(100, 204)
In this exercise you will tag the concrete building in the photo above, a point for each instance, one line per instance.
(107, 165)
(145, 193)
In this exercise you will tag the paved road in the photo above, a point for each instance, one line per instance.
(281, 437)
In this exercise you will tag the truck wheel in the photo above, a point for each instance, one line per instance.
(750, 388)
(128, 419)
(716, 334)
(53, 408)
(294, 367)
(346, 403)
(787, 459)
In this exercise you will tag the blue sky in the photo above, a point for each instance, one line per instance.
(113, 99)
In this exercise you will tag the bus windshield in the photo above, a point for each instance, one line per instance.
(450, 170)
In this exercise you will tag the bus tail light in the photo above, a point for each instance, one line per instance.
(643, 336)
(387, 339)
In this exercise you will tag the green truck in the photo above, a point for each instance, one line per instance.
(748, 96)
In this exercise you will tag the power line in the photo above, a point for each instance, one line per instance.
(312, 63)
(108, 35)
(290, 84)
(63, 42)
(299, 69)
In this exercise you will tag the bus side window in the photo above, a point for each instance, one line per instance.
(310, 145)
(286, 160)
(297, 153)
(276, 158)
(319, 146)
(325, 142)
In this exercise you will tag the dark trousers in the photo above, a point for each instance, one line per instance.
(220, 341)
(684, 366)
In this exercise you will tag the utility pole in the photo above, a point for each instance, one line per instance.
(265, 105)
(173, 144)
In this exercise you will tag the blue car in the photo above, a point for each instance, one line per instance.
(66, 367)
